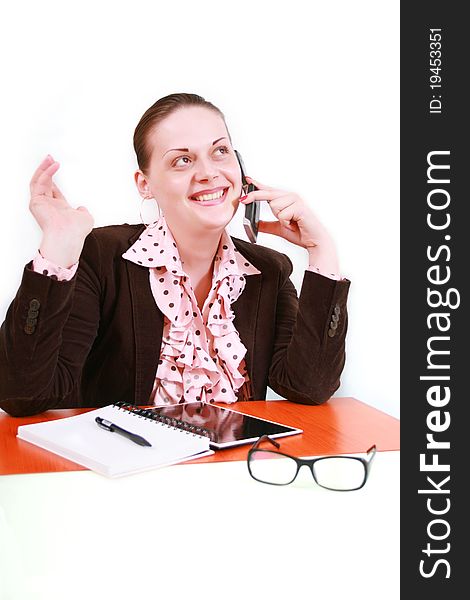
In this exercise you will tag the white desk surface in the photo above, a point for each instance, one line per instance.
(198, 531)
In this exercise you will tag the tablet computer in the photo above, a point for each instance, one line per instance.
(226, 427)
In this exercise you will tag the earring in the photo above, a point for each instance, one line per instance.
(147, 225)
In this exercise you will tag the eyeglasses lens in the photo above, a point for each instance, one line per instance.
(271, 467)
(339, 473)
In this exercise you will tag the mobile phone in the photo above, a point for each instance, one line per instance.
(251, 218)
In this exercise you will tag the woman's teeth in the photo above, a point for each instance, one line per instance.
(206, 197)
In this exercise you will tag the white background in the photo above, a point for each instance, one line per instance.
(310, 93)
(203, 532)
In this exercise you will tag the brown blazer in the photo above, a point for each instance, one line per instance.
(96, 339)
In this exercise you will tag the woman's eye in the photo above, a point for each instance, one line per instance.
(177, 162)
(223, 149)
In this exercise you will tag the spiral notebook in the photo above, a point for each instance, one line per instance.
(81, 440)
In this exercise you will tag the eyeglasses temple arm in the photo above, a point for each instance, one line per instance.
(266, 438)
(371, 453)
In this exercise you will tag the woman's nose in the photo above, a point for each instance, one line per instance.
(206, 170)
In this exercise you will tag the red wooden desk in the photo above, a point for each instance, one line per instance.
(340, 426)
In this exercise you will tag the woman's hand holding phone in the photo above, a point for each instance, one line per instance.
(64, 228)
(296, 223)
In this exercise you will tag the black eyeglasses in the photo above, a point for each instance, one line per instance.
(338, 473)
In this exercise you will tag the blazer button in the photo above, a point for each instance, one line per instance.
(332, 332)
(337, 310)
(32, 314)
(29, 329)
(34, 304)
(333, 325)
(31, 322)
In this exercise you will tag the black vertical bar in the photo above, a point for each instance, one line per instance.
(434, 253)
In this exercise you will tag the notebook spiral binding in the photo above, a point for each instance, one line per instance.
(171, 422)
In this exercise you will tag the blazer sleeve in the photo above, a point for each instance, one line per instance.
(48, 331)
(309, 346)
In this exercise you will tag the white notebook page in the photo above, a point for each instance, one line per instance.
(80, 439)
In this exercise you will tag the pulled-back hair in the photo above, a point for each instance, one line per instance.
(156, 114)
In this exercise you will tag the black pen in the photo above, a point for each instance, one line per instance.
(116, 429)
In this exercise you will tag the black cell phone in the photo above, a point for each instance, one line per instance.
(251, 218)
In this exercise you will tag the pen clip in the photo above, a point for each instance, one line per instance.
(104, 423)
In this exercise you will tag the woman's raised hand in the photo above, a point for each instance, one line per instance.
(64, 228)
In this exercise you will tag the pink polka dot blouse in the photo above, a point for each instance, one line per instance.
(201, 356)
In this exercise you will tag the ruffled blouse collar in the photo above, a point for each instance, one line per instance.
(192, 360)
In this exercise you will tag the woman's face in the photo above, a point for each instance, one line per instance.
(194, 174)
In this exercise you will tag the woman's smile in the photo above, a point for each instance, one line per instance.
(210, 197)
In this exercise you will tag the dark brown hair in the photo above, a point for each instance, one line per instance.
(155, 114)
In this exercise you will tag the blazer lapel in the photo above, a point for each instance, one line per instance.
(246, 315)
(148, 329)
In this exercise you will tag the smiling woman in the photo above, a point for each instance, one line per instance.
(196, 183)
(176, 310)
